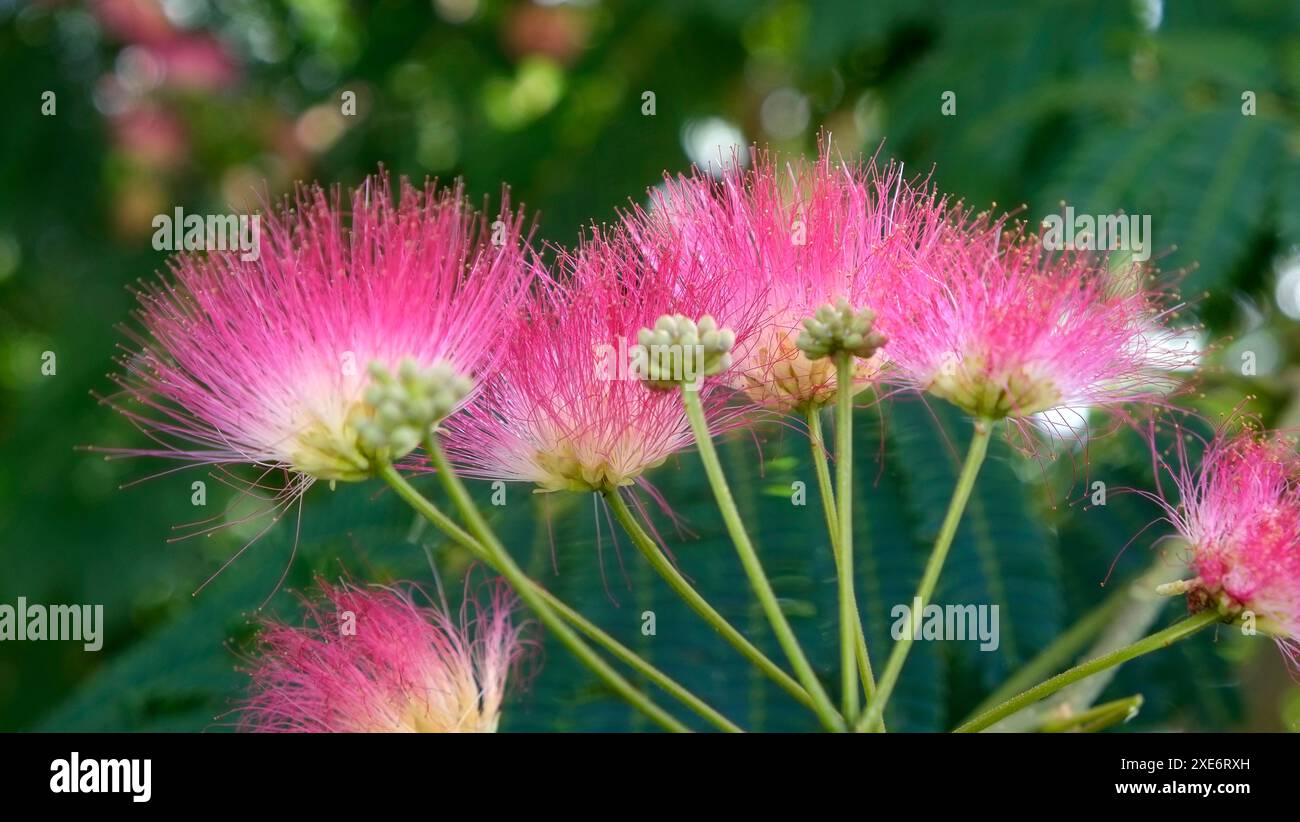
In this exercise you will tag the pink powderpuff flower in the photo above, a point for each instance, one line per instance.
(159, 53)
(194, 62)
(152, 136)
(373, 660)
(1003, 328)
(567, 410)
(795, 237)
(134, 20)
(1239, 511)
(267, 361)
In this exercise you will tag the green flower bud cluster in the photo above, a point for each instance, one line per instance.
(403, 408)
(838, 327)
(678, 351)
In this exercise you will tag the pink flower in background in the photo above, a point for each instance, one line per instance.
(558, 32)
(265, 361)
(194, 62)
(152, 136)
(1005, 328)
(157, 53)
(566, 409)
(794, 237)
(373, 660)
(1239, 511)
(134, 20)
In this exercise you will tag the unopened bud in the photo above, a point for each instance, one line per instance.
(838, 327)
(678, 350)
(403, 408)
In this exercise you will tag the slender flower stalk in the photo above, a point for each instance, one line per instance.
(565, 410)
(506, 566)
(1058, 654)
(705, 343)
(619, 651)
(1014, 331)
(841, 334)
(754, 568)
(405, 405)
(1154, 642)
(1124, 617)
(874, 715)
(822, 471)
(1097, 718)
(655, 556)
(850, 626)
(637, 663)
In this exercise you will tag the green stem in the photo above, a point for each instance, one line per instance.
(586, 626)
(1137, 607)
(979, 445)
(844, 548)
(821, 469)
(1154, 642)
(638, 664)
(1097, 718)
(523, 586)
(1056, 655)
(655, 556)
(613, 646)
(753, 567)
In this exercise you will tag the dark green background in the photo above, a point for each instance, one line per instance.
(1056, 101)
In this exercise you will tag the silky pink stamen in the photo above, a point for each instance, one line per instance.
(565, 410)
(372, 659)
(1239, 511)
(265, 361)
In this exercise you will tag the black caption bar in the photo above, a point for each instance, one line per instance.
(139, 773)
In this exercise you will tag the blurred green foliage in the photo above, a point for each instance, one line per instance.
(1106, 106)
